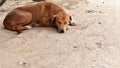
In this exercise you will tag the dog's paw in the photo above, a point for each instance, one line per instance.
(72, 23)
(28, 27)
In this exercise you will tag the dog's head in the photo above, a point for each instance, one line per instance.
(61, 20)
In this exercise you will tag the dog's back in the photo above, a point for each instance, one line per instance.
(41, 9)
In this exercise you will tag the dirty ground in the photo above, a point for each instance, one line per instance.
(93, 43)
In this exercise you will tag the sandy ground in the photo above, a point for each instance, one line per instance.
(93, 43)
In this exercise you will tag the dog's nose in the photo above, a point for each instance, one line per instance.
(62, 31)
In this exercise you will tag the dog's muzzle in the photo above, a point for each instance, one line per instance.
(62, 31)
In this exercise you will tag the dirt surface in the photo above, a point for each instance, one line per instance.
(93, 43)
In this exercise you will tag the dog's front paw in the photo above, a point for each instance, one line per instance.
(72, 23)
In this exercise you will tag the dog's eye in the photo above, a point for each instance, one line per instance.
(59, 22)
(65, 22)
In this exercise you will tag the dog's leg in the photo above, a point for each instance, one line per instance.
(20, 28)
(71, 23)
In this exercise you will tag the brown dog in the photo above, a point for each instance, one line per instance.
(43, 13)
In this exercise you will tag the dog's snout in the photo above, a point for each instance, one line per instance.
(62, 31)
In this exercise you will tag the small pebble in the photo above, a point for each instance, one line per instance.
(99, 43)
(97, 6)
(21, 63)
(75, 47)
(85, 43)
(90, 11)
(100, 11)
(99, 23)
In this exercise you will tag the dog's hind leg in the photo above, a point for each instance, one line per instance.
(20, 28)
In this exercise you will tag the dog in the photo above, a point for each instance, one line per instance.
(46, 14)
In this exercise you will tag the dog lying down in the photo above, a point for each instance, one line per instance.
(45, 14)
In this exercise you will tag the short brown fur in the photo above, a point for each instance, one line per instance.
(43, 13)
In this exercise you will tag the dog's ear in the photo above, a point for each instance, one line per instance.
(53, 19)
